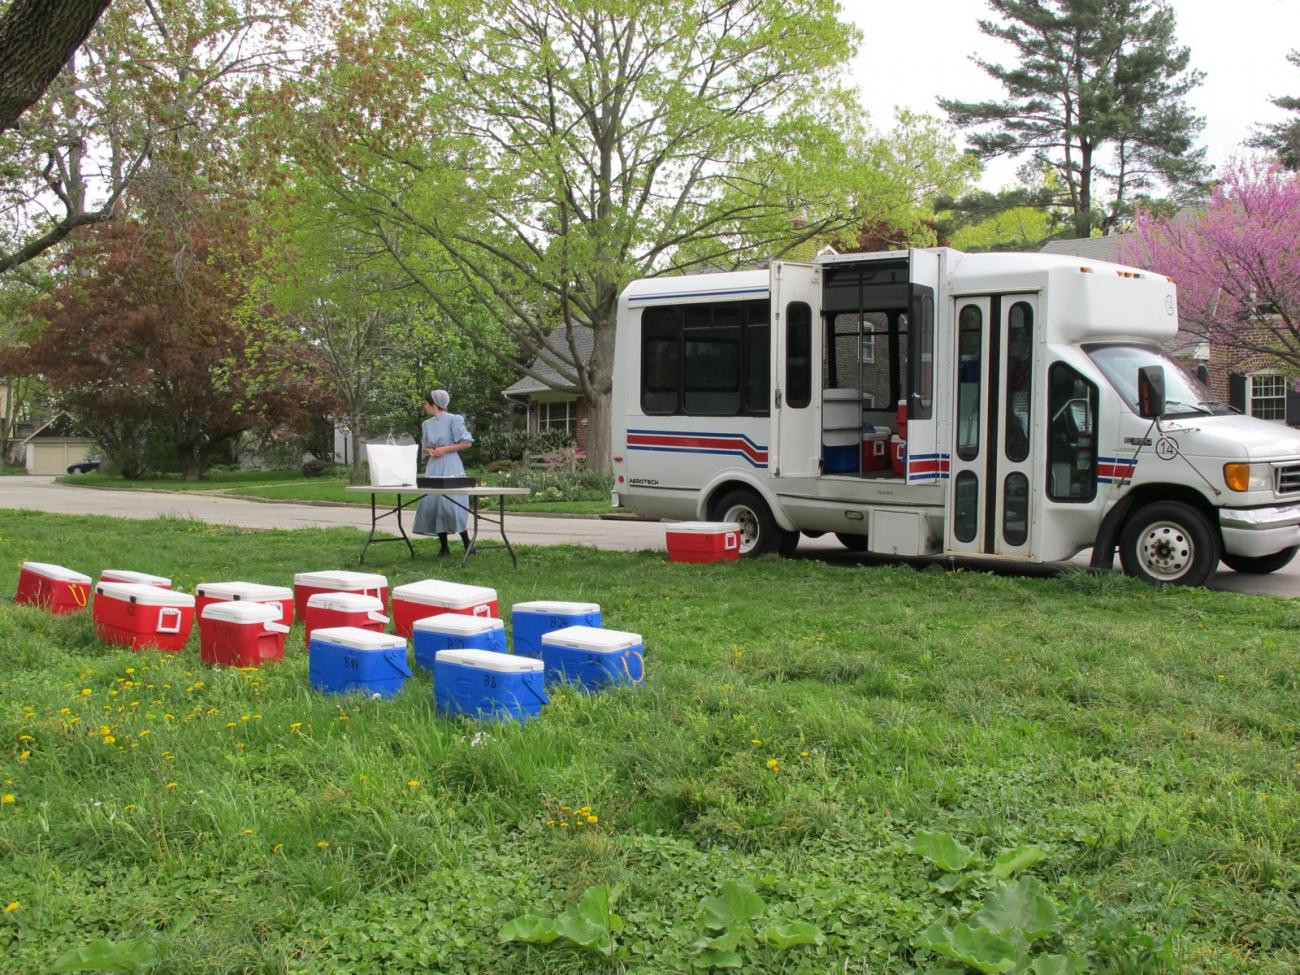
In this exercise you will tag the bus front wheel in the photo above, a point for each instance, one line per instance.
(1168, 541)
(759, 532)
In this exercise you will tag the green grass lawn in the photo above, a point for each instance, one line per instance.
(1111, 771)
(292, 486)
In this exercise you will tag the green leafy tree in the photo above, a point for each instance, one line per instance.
(1283, 138)
(1095, 97)
(527, 161)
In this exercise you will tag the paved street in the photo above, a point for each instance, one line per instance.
(42, 494)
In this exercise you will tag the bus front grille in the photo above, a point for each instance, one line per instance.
(1287, 479)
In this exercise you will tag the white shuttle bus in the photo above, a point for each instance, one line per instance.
(929, 402)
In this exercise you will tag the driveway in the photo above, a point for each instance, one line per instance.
(622, 535)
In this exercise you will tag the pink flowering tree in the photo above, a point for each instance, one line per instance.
(1236, 264)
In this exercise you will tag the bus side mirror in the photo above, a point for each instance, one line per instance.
(1151, 392)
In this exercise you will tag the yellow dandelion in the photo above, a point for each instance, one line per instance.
(86, 692)
(756, 741)
(26, 738)
(579, 823)
(593, 820)
(105, 729)
(128, 807)
(322, 845)
(11, 907)
(549, 822)
(248, 832)
(110, 740)
(564, 825)
(295, 725)
(803, 754)
(230, 724)
(343, 717)
(130, 670)
(773, 764)
(277, 847)
(144, 733)
(65, 710)
(7, 799)
(171, 785)
(414, 783)
(24, 755)
(168, 755)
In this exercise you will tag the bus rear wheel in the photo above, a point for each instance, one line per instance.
(1259, 564)
(1172, 542)
(759, 532)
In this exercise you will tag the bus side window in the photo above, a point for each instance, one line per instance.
(661, 360)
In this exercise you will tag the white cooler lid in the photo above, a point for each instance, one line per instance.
(345, 602)
(357, 638)
(241, 612)
(127, 575)
(340, 580)
(502, 663)
(459, 624)
(556, 607)
(435, 592)
(591, 638)
(254, 591)
(51, 571)
(144, 595)
(703, 527)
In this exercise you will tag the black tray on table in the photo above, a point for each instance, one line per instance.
(446, 482)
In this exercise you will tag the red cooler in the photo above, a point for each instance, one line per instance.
(703, 541)
(53, 587)
(140, 578)
(900, 418)
(330, 609)
(307, 584)
(430, 597)
(241, 634)
(244, 592)
(898, 455)
(875, 451)
(131, 615)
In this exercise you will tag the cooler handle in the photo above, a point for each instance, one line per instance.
(275, 628)
(483, 610)
(79, 593)
(374, 618)
(729, 541)
(172, 613)
(628, 670)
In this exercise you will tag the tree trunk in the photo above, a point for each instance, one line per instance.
(36, 39)
(354, 432)
(600, 397)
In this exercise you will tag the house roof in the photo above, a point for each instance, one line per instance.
(558, 343)
(57, 427)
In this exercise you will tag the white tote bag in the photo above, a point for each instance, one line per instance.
(392, 465)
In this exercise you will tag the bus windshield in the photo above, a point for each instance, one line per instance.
(1184, 395)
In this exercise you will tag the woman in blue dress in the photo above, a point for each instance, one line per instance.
(442, 436)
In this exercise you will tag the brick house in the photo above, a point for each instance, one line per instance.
(1249, 382)
(549, 400)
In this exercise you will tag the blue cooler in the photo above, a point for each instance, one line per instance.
(488, 685)
(456, 631)
(529, 621)
(347, 659)
(593, 657)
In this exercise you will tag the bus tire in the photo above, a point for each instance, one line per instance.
(759, 532)
(854, 543)
(1169, 542)
(1259, 564)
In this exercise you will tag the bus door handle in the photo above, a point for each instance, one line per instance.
(778, 399)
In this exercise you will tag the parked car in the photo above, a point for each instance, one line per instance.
(85, 467)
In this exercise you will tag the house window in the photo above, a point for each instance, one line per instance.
(1268, 397)
(558, 415)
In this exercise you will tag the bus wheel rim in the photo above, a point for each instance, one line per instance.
(748, 523)
(1166, 550)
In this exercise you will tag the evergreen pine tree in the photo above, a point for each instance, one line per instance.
(1284, 137)
(1096, 98)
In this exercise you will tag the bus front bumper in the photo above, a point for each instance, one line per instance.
(1259, 531)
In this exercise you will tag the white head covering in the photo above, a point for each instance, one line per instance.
(440, 398)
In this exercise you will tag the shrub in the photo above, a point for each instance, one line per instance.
(315, 467)
(558, 485)
(498, 445)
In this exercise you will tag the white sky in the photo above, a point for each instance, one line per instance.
(914, 51)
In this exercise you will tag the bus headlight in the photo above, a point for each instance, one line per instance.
(1248, 477)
